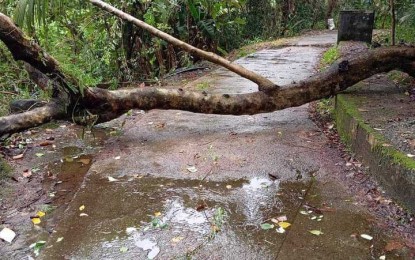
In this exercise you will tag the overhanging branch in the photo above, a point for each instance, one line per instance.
(263, 83)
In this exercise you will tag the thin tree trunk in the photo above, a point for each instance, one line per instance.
(393, 25)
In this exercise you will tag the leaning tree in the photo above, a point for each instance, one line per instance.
(84, 105)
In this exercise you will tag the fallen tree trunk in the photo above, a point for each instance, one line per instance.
(325, 84)
(100, 105)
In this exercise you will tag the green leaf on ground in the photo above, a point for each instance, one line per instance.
(266, 226)
(37, 246)
(316, 232)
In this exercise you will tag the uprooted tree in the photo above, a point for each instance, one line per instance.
(83, 105)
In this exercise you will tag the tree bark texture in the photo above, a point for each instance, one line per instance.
(105, 105)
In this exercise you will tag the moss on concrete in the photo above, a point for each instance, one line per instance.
(393, 168)
(379, 143)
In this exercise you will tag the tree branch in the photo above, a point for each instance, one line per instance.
(263, 83)
(106, 105)
(35, 117)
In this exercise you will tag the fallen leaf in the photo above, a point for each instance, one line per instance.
(382, 257)
(282, 218)
(280, 230)
(27, 173)
(229, 187)
(7, 234)
(39, 154)
(266, 226)
(316, 232)
(17, 157)
(123, 249)
(366, 236)
(274, 220)
(192, 169)
(117, 158)
(111, 179)
(157, 214)
(45, 143)
(82, 207)
(201, 207)
(36, 221)
(177, 239)
(37, 246)
(40, 214)
(83, 215)
(284, 225)
(410, 155)
(68, 159)
(59, 239)
(84, 161)
(303, 212)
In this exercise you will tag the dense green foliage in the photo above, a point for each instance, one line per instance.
(99, 48)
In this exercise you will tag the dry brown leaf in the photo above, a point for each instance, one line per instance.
(27, 173)
(201, 207)
(84, 161)
(45, 143)
(17, 157)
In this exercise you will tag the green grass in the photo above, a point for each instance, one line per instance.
(330, 56)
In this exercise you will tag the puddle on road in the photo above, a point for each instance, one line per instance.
(63, 177)
(145, 217)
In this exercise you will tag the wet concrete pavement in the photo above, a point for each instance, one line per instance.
(179, 185)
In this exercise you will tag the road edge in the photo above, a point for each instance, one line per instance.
(391, 167)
